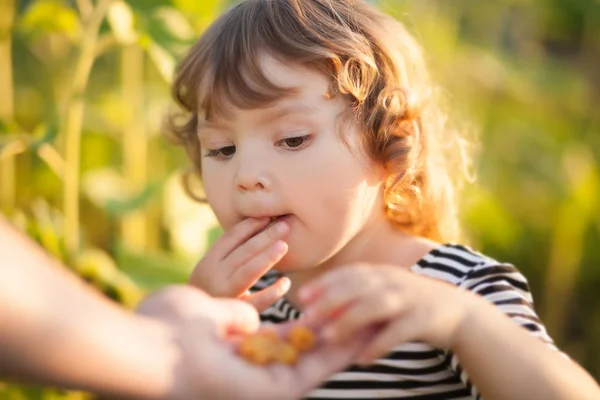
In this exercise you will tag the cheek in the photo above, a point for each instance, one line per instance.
(219, 197)
(349, 203)
(343, 189)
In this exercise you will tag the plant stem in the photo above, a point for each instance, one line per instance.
(135, 145)
(7, 165)
(72, 125)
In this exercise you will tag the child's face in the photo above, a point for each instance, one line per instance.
(289, 159)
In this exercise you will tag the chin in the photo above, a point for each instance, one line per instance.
(290, 263)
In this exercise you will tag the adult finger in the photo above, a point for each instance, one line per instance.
(234, 316)
(174, 302)
(184, 303)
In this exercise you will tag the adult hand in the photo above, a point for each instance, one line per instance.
(204, 329)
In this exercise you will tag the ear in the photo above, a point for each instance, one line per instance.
(382, 172)
(378, 173)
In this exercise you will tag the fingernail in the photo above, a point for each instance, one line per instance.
(286, 284)
(280, 246)
(281, 228)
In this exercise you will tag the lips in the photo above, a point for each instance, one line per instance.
(274, 219)
(278, 218)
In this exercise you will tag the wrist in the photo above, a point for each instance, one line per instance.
(473, 308)
(138, 361)
(159, 355)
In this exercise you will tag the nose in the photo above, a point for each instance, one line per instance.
(251, 176)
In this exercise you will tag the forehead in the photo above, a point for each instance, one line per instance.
(307, 91)
(294, 76)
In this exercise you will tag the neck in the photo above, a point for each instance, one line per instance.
(380, 243)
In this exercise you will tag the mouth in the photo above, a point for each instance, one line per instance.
(277, 218)
(273, 220)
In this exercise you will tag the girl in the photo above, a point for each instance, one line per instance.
(323, 154)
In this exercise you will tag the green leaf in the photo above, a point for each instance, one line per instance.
(44, 134)
(155, 270)
(201, 13)
(50, 16)
(118, 208)
(46, 227)
(99, 268)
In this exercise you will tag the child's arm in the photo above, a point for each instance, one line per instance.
(504, 361)
(501, 359)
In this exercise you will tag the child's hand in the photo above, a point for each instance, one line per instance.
(407, 306)
(239, 258)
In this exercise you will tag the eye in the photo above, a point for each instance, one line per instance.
(222, 153)
(294, 143)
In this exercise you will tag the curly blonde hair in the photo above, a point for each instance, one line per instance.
(370, 58)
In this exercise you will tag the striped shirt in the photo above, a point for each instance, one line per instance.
(416, 370)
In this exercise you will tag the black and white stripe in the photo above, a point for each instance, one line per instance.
(415, 370)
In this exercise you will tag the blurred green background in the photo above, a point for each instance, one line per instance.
(85, 170)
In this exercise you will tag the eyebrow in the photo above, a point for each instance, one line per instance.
(273, 114)
(278, 113)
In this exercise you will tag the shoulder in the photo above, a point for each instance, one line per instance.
(467, 268)
(502, 284)
(452, 262)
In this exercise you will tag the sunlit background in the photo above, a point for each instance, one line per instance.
(86, 171)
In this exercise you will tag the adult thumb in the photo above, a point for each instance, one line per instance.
(234, 316)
